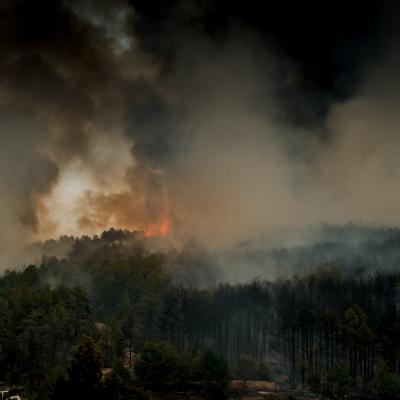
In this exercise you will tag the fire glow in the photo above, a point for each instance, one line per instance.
(161, 229)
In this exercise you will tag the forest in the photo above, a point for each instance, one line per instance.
(112, 304)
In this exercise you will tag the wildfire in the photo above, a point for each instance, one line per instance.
(160, 229)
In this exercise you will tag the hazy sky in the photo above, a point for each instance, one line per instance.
(218, 120)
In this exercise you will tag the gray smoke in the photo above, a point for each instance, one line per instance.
(182, 124)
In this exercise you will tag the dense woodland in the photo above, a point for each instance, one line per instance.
(330, 329)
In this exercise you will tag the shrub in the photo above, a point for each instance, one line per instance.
(339, 380)
(215, 373)
(386, 384)
(159, 367)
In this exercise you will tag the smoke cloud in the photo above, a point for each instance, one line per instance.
(112, 114)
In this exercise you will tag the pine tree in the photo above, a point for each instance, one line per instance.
(84, 371)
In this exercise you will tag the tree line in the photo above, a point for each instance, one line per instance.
(328, 329)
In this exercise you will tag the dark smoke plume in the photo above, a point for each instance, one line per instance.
(217, 120)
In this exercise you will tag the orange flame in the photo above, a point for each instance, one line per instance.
(149, 231)
(164, 227)
(161, 229)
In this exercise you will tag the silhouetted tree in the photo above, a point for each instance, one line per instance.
(85, 371)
